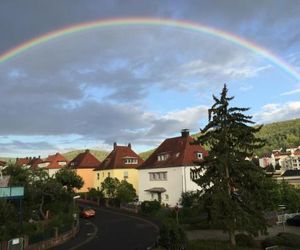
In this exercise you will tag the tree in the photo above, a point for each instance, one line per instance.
(109, 187)
(68, 178)
(235, 190)
(125, 192)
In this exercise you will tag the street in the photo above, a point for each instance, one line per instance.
(111, 230)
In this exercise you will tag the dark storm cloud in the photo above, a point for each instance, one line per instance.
(22, 20)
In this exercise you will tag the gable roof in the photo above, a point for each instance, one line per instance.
(179, 151)
(23, 161)
(84, 160)
(116, 158)
(34, 163)
(54, 161)
(291, 172)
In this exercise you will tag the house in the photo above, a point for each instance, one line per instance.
(53, 163)
(84, 164)
(121, 163)
(166, 174)
(29, 162)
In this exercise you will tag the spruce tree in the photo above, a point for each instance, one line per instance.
(235, 191)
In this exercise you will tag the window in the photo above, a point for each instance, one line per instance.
(125, 175)
(199, 155)
(166, 197)
(108, 174)
(158, 176)
(131, 161)
(98, 176)
(162, 157)
(102, 174)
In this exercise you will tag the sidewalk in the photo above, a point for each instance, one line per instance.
(219, 235)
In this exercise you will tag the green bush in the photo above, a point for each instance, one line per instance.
(172, 236)
(244, 240)
(283, 239)
(150, 207)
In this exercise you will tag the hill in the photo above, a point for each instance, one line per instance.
(285, 134)
(99, 154)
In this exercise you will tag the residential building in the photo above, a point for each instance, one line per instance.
(29, 162)
(166, 174)
(121, 163)
(53, 163)
(84, 164)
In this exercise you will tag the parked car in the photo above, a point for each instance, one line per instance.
(295, 221)
(86, 212)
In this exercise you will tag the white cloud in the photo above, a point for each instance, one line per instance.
(278, 112)
(292, 92)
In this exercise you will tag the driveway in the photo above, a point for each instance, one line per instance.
(111, 230)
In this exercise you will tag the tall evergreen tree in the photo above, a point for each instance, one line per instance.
(235, 190)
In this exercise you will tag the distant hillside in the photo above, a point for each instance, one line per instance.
(8, 159)
(278, 135)
(99, 154)
(146, 154)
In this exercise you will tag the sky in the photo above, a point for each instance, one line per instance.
(139, 83)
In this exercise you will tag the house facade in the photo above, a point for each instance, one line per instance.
(53, 163)
(84, 165)
(166, 174)
(121, 163)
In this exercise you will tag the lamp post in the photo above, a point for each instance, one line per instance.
(282, 208)
(75, 214)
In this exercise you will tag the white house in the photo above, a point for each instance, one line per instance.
(166, 174)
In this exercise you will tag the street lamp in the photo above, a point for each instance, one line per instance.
(75, 214)
(282, 208)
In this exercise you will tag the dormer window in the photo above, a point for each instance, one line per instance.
(131, 161)
(162, 157)
(199, 155)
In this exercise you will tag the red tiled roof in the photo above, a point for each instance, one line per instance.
(297, 152)
(179, 151)
(2, 163)
(84, 160)
(116, 158)
(54, 161)
(23, 161)
(35, 162)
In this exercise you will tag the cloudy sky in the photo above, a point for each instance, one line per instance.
(139, 83)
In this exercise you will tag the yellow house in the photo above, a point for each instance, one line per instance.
(121, 163)
(84, 164)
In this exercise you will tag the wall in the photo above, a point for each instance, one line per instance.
(52, 171)
(178, 181)
(116, 173)
(87, 174)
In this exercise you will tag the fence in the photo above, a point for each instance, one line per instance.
(284, 217)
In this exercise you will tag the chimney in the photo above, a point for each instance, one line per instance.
(185, 132)
(129, 145)
(115, 145)
(87, 150)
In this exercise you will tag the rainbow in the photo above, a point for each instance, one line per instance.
(180, 24)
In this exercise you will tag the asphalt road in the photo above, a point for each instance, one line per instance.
(111, 230)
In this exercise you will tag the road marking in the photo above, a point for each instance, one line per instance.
(91, 237)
